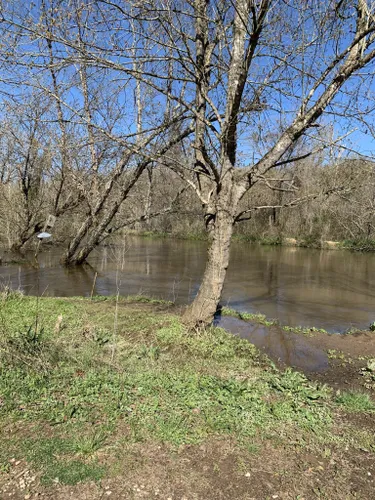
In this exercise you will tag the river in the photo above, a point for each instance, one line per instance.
(328, 289)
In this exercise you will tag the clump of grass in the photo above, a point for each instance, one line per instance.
(142, 299)
(8, 293)
(263, 320)
(270, 240)
(245, 316)
(355, 401)
(87, 445)
(213, 343)
(310, 241)
(54, 458)
(359, 245)
(292, 382)
(304, 329)
(151, 352)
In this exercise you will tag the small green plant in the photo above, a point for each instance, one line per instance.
(368, 373)
(355, 401)
(88, 445)
(335, 354)
(151, 352)
(292, 382)
(372, 327)
(32, 339)
(102, 336)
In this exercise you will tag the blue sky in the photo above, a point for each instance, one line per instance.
(267, 121)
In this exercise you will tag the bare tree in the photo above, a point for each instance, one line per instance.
(26, 163)
(235, 91)
(101, 107)
(266, 67)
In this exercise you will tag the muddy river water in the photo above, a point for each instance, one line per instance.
(334, 290)
(329, 289)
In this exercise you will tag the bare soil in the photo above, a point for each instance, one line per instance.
(347, 362)
(214, 471)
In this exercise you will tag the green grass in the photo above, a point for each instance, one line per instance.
(55, 458)
(75, 394)
(255, 317)
(186, 235)
(359, 245)
(202, 236)
(304, 241)
(355, 402)
(303, 329)
(263, 320)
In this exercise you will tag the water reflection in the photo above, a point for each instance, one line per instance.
(291, 348)
(329, 289)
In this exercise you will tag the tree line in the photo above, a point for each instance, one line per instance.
(347, 215)
(122, 113)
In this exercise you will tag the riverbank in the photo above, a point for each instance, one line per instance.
(357, 245)
(115, 399)
(344, 361)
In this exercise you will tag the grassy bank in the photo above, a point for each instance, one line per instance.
(358, 245)
(263, 320)
(202, 236)
(102, 398)
(361, 245)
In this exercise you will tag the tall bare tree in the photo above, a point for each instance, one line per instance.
(236, 90)
(257, 67)
(288, 40)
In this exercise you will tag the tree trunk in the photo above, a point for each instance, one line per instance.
(68, 257)
(201, 312)
(81, 255)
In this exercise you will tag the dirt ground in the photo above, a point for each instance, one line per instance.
(215, 471)
(348, 355)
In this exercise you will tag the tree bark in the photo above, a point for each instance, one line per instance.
(204, 306)
(68, 257)
(220, 219)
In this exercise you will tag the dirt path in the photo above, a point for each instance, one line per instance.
(216, 471)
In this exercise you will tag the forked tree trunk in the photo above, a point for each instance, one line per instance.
(82, 253)
(68, 257)
(201, 312)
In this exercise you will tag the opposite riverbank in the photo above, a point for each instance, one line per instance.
(8, 257)
(358, 245)
(114, 398)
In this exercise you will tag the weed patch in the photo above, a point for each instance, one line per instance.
(85, 390)
(355, 402)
